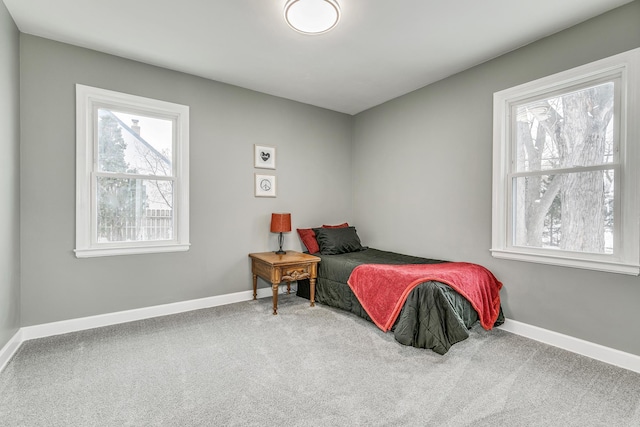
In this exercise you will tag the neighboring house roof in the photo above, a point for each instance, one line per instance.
(137, 136)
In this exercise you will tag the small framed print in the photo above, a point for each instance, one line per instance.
(265, 185)
(264, 157)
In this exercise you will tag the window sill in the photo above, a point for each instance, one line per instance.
(130, 250)
(567, 261)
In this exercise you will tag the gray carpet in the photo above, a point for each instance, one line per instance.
(239, 365)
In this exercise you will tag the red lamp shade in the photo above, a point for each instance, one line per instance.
(280, 222)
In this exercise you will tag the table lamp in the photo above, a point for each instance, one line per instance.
(280, 223)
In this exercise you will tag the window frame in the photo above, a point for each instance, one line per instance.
(88, 101)
(626, 256)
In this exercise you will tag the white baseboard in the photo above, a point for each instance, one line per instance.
(595, 351)
(83, 323)
(575, 345)
(10, 349)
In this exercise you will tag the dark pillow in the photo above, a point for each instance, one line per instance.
(334, 241)
(308, 237)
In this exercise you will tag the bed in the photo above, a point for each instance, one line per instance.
(434, 316)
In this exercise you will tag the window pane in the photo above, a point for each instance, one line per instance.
(571, 129)
(572, 212)
(130, 143)
(134, 210)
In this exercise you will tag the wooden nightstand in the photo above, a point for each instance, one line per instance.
(287, 267)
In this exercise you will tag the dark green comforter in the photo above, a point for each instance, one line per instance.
(434, 315)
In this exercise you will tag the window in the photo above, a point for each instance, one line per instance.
(132, 174)
(565, 160)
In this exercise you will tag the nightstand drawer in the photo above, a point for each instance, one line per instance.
(297, 272)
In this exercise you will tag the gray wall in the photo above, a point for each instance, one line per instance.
(227, 222)
(422, 184)
(9, 178)
(413, 174)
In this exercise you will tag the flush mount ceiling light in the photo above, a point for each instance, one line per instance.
(312, 16)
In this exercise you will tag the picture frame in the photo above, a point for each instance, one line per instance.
(265, 185)
(264, 157)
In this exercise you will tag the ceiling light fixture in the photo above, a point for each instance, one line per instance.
(312, 16)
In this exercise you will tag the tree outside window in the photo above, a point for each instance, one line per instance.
(132, 174)
(573, 209)
(566, 153)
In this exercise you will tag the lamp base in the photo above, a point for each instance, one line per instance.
(280, 241)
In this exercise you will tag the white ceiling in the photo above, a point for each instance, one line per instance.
(381, 49)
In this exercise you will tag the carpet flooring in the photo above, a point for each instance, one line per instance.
(238, 365)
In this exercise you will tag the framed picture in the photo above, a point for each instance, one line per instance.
(265, 185)
(264, 157)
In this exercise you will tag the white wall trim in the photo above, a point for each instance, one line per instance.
(575, 345)
(73, 325)
(10, 348)
(83, 323)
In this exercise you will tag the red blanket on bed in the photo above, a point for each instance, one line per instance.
(382, 289)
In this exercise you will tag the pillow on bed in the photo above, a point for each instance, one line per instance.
(343, 225)
(334, 241)
(308, 237)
